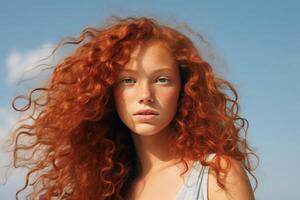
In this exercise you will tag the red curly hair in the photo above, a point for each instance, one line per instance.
(79, 147)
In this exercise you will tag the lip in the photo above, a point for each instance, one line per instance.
(145, 117)
(146, 112)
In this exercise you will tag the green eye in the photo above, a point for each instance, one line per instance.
(126, 80)
(164, 80)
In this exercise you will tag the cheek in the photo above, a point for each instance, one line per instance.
(168, 97)
(119, 98)
(122, 99)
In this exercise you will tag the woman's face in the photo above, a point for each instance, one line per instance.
(150, 80)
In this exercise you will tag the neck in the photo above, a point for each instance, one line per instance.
(153, 152)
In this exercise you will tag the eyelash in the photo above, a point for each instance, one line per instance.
(165, 78)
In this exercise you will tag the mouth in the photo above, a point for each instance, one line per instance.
(145, 114)
(144, 117)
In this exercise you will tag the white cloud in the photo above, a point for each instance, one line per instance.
(24, 64)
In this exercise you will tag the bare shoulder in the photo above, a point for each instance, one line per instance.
(236, 182)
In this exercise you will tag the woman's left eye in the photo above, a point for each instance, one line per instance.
(166, 80)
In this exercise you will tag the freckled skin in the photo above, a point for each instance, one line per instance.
(147, 89)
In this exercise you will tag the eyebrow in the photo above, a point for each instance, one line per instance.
(155, 71)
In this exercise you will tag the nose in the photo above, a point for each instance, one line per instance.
(146, 95)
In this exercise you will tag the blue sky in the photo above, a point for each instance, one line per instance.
(257, 45)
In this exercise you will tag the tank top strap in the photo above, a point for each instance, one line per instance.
(203, 190)
(199, 171)
(195, 186)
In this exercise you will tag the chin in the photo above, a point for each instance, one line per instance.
(145, 131)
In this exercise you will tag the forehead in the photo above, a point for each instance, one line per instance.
(151, 56)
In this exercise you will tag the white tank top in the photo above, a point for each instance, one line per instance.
(195, 185)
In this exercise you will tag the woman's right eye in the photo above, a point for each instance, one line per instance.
(126, 80)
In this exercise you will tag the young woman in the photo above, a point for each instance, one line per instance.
(134, 113)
